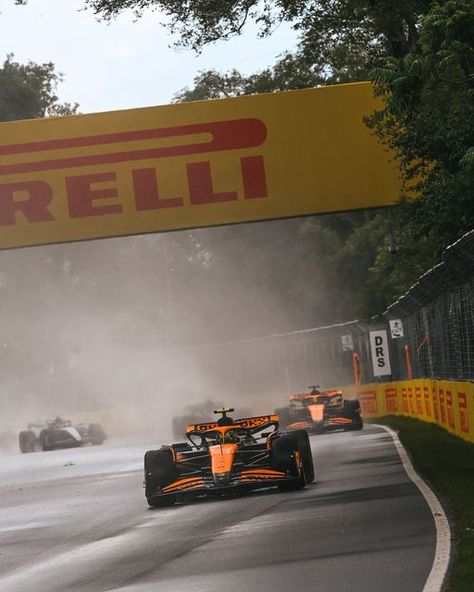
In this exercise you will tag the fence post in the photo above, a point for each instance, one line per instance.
(356, 368)
(408, 362)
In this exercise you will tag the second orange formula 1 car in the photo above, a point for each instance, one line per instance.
(319, 412)
(228, 456)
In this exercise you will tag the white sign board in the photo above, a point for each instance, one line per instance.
(380, 353)
(347, 342)
(396, 328)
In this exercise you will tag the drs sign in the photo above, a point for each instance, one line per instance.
(380, 353)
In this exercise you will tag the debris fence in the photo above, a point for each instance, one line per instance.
(427, 333)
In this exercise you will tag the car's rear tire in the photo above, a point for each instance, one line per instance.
(27, 441)
(97, 434)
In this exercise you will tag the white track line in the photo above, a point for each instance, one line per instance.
(438, 572)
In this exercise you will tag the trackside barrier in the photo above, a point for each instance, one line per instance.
(447, 403)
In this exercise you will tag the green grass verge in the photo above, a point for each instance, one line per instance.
(447, 464)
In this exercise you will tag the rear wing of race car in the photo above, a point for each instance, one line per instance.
(304, 396)
(332, 392)
(247, 422)
(298, 396)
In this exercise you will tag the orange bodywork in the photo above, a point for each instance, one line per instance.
(222, 457)
(184, 484)
(316, 411)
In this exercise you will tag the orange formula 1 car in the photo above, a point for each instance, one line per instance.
(226, 457)
(320, 411)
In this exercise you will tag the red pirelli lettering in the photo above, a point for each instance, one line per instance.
(426, 395)
(368, 402)
(442, 406)
(405, 400)
(147, 195)
(449, 409)
(81, 195)
(220, 136)
(200, 185)
(419, 403)
(391, 400)
(463, 412)
(31, 198)
(253, 177)
(411, 400)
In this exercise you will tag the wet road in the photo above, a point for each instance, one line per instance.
(362, 527)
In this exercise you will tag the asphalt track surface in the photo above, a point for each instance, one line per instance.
(362, 527)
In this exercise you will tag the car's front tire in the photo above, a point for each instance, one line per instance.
(306, 455)
(162, 501)
(46, 440)
(284, 448)
(159, 471)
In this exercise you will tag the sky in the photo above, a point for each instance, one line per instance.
(127, 63)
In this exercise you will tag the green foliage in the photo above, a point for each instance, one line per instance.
(363, 25)
(428, 120)
(28, 91)
(426, 78)
(291, 72)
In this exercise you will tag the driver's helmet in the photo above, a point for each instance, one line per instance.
(238, 436)
(225, 421)
(230, 437)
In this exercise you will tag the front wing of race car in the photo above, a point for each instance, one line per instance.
(251, 470)
(245, 479)
(332, 422)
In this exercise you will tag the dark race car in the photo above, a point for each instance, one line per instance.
(59, 433)
(320, 411)
(227, 457)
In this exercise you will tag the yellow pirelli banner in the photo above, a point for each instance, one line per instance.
(447, 403)
(192, 165)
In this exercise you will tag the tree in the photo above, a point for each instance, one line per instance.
(428, 120)
(291, 72)
(327, 22)
(28, 90)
